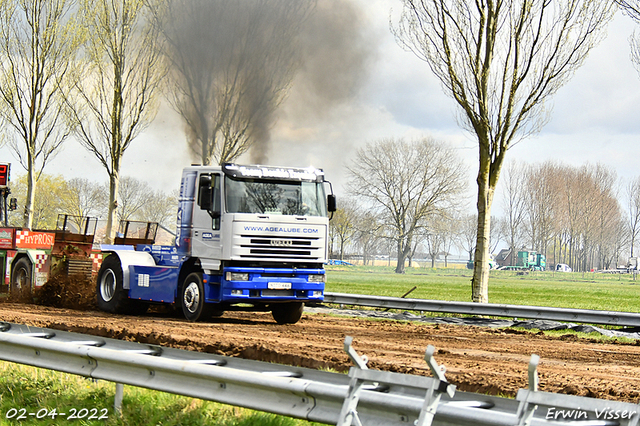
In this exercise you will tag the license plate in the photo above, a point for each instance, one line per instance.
(279, 286)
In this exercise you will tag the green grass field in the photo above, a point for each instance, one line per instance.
(41, 391)
(565, 290)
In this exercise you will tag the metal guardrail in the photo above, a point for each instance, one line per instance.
(587, 316)
(364, 397)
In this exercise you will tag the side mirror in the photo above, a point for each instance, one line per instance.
(204, 192)
(331, 203)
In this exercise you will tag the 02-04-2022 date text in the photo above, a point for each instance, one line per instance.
(46, 413)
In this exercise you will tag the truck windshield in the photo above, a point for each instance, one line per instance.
(275, 197)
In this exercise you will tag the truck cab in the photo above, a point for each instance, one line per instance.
(248, 238)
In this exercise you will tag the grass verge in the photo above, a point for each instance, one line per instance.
(25, 390)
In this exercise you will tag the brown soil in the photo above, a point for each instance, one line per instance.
(477, 359)
(62, 291)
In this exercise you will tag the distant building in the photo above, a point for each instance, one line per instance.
(505, 257)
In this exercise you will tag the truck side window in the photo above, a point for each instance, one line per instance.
(209, 197)
(215, 201)
(204, 192)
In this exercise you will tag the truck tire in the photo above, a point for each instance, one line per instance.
(192, 299)
(287, 313)
(21, 280)
(112, 297)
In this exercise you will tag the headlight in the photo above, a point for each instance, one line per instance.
(237, 276)
(319, 278)
(316, 293)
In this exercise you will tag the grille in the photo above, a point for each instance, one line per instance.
(273, 275)
(278, 293)
(263, 247)
(79, 266)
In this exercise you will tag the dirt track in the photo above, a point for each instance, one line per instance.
(477, 359)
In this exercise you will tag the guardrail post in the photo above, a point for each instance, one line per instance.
(117, 403)
(526, 409)
(435, 386)
(359, 361)
(606, 412)
(349, 414)
(435, 391)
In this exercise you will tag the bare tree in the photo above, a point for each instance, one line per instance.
(159, 207)
(434, 239)
(440, 234)
(513, 202)
(632, 194)
(501, 61)
(541, 197)
(115, 96)
(82, 198)
(495, 235)
(133, 195)
(369, 234)
(468, 230)
(618, 245)
(607, 218)
(342, 226)
(575, 196)
(407, 182)
(449, 236)
(588, 214)
(231, 65)
(137, 200)
(632, 9)
(38, 43)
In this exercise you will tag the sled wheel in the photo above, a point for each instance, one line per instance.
(21, 285)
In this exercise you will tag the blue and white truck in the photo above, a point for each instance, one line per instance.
(248, 238)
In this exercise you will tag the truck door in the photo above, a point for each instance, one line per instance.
(207, 214)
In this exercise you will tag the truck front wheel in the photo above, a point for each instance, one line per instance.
(287, 313)
(111, 295)
(192, 299)
(21, 280)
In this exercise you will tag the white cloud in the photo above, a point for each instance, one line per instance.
(594, 118)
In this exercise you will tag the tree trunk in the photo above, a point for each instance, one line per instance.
(112, 216)
(480, 281)
(31, 198)
(401, 257)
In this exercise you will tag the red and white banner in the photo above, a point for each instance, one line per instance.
(34, 239)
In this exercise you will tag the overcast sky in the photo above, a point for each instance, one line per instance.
(594, 117)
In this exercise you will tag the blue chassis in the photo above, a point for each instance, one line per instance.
(159, 283)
